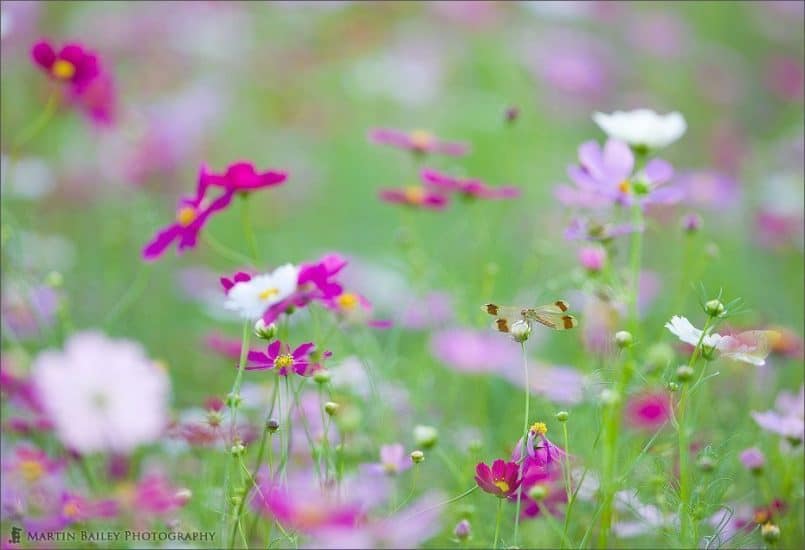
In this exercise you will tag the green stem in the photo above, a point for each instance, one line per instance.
(635, 255)
(568, 487)
(497, 523)
(524, 434)
(225, 251)
(37, 125)
(248, 231)
(129, 298)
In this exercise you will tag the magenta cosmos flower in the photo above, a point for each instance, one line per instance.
(648, 411)
(469, 188)
(501, 480)
(604, 176)
(279, 356)
(418, 141)
(242, 176)
(416, 196)
(548, 476)
(539, 449)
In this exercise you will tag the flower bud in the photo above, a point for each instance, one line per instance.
(265, 331)
(237, 449)
(770, 532)
(520, 331)
(512, 113)
(184, 495)
(691, 223)
(417, 456)
(623, 339)
(708, 352)
(714, 308)
(463, 530)
(753, 460)
(235, 500)
(673, 386)
(561, 416)
(331, 408)
(272, 425)
(684, 373)
(538, 492)
(425, 436)
(322, 376)
(54, 279)
(609, 397)
(706, 463)
(233, 400)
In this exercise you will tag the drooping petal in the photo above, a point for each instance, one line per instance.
(161, 242)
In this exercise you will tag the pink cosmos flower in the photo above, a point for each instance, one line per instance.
(787, 419)
(80, 69)
(393, 460)
(474, 351)
(709, 189)
(539, 449)
(649, 410)
(192, 214)
(418, 141)
(155, 495)
(414, 196)
(550, 477)
(433, 310)
(469, 188)
(605, 177)
(502, 480)
(279, 356)
(242, 177)
(752, 459)
(592, 258)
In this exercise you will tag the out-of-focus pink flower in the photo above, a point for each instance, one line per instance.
(102, 394)
(787, 343)
(467, 350)
(550, 477)
(223, 345)
(648, 410)
(469, 188)
(779, 229)
(30, 312)
(661, 34)
(708, 189)
(787, 417)
(592, 258)
(785, 78)
(752, 459)
(393, 460)
(155, 495)
(242, 177)
(501, 480)
(415, 196)
(418, 141)
(435, 309)
(192, 214)
(279, 356)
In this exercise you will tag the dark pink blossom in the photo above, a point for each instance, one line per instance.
(648, 411)
(414, 196)
(418, 141)
(242, 177)
(501, 480)
(279, 356)
(470, 188)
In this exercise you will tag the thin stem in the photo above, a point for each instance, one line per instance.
(129, 298)
(38, 124)
(248, 231)
(497, 523)
(635, 254)
(568, 488)
(225, 251)
(524, 434)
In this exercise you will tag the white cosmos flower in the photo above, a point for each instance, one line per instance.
(252, 298)
(643, 127)
(748, 347)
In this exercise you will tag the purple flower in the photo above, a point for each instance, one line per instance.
(753, 459)
(708, 189)
(592, 258)
(280, 357)
(242, 177)
(787, 419)
(467, 350)
(418, 141)
(415, 196)
(501, 480)
(539, 449)
(435, 309)
(393, 460)
(469, 188)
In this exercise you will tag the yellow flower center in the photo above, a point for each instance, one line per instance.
(347, 301)
(70, 509)
(186, 215)
(624, 187)
(414, 194)
(502, 485)
(420, 139)
(63, 70)
(31, 470)
(283, 361)
(539, 428)
(268, 293)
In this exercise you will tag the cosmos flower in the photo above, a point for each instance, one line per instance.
(102, 394)
(648, 410)
(501, 480)
(417, 141)
(393, 460)
(592, 258)
(786, 419)
(252, 297)
(473, 351)
(581, 228)
(642, 127)
(192, 214)
(539, 449)
(549, 476)
(279, 356)
(747, 347)
(752, 459)
(468, 188)
(414, 196)
(242, 177)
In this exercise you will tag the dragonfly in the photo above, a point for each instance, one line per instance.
(553, 316)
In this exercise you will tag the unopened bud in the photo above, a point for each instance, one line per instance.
(706, 463)
(331, 408)
(623, 338)
(520, 331)
(425, 436)
(714, 308)
(233, 400)
(237, 449)
(272, 425)
(641, 187)
(538, 492)
(708, 352)
(265, 331)
(684, 373)
(322, 376)
(463, 530)
(770, 532)
(417, 456)
(561, 416)
(673, 386)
